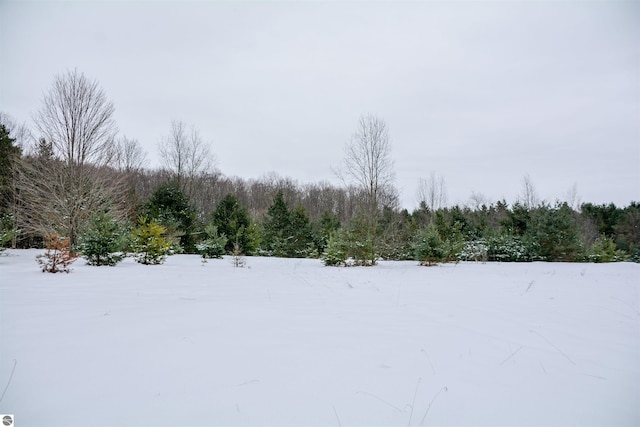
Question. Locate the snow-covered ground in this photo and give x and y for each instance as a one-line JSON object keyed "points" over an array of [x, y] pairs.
{"points": [[289, 342]]}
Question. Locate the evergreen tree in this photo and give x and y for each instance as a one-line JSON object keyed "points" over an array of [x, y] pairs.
{"points": [[170, 207], [555, 231], [396, 229], [323, 229], [518, 220], [359, 242], [300, 244], [604, 250], [627, 231], [288, 233], [213, 246], [335, 253], [104, 240], [605, 217], [429, 248], [449, 229], [277, 227], [232, 220], [149, 243], [58, 255], [7, 231], [9, 154], [506, 247]]}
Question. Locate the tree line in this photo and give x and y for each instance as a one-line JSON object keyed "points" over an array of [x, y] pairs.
{"points": [[78, 181]]}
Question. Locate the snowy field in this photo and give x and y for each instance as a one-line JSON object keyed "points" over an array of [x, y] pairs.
{"points": [[289, 342]]}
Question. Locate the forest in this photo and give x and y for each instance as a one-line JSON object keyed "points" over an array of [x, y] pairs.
{"points": [[71, 185]]}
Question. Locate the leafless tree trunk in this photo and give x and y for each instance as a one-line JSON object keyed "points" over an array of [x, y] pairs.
{"points": [[433, 192], [186, 156], [369, 166], [60, 194]]}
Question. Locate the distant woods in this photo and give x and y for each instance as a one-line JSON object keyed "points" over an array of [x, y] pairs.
{"points": [[71, 175]]}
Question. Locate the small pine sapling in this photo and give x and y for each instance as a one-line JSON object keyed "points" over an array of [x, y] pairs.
{"points": [[237, 259], [5, 237], [335, 253], [429, 249], [104, 241], [213, 245], [58, 256], [148, 242], [604, 250], [7, 231]]}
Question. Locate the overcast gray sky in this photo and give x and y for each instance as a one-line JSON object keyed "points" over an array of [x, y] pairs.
{"points": [[480, 93]]}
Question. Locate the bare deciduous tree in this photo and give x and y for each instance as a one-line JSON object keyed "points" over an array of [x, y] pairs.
{"points": [[529, 197], [432, 192], [19, 132], [572, 198], [186, 156], [129, 155], [77, 119], [53, 200], [61, 193], [477, 201], [368, 165]]}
